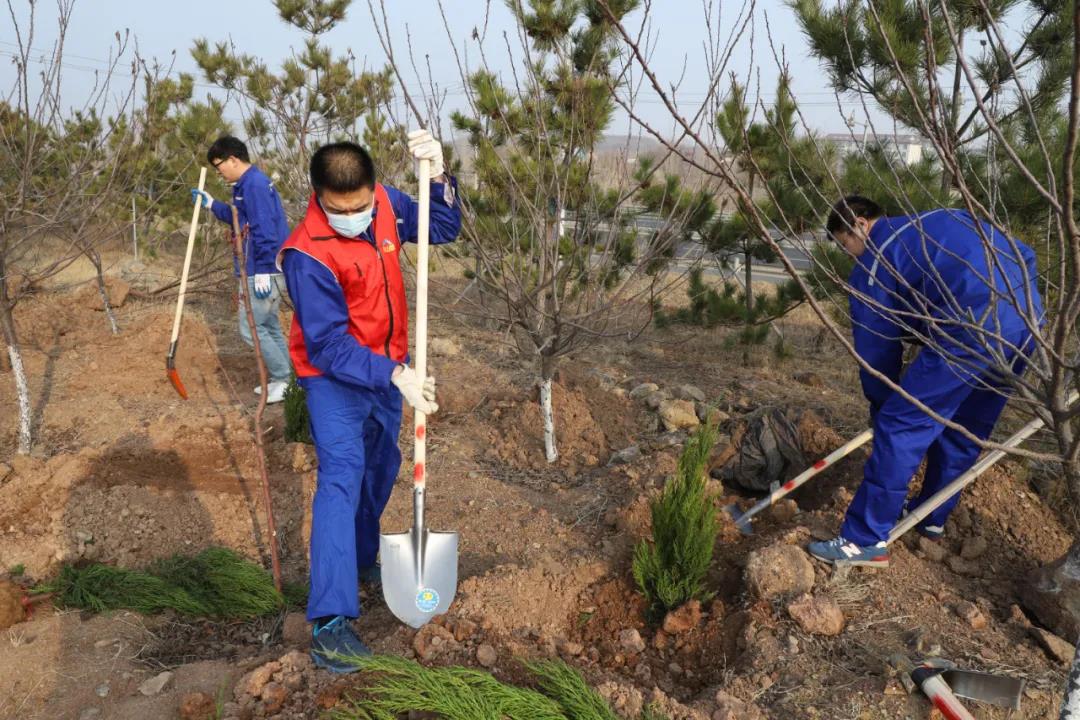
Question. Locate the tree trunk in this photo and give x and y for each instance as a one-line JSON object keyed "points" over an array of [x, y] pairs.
{"points": [[22, 388], [749, 280], [547, 372], [95, 258]]}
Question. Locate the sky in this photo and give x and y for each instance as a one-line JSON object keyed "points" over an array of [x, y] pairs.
{"points": [[678, 30]]}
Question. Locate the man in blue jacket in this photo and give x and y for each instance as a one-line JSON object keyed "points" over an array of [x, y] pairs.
{"points": [[965, 292], [350, 346], [260, 211]]}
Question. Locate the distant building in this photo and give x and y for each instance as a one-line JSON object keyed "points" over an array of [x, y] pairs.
{"points": [[904, 148]]}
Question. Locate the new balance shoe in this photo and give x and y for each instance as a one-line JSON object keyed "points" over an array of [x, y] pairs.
{"points": [[333, 643], [930, 532], [839, 550]]}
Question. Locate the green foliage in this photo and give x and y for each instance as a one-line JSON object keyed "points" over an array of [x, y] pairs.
{"points": [[17, 570], [670, 570], [215, 583], [395, 686], [899, 188], [297, 417], [727, 306]]}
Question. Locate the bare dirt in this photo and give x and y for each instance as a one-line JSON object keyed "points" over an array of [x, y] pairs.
{"points": [[124, 471]]}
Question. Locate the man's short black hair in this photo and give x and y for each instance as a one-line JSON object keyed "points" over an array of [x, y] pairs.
{"points": [[226, 147], [846, 209], [342, 167]]}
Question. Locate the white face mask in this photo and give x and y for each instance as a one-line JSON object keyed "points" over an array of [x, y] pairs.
{"points": [[350, 226]]}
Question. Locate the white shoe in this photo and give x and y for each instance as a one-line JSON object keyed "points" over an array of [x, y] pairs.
{"points": [[275, 391]]}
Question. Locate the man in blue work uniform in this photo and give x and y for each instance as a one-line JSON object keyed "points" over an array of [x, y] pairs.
{"points": [[967, 293], [259, 209], [349, 343]]}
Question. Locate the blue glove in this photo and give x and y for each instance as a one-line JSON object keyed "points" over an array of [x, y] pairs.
{"points": [[262, 286], [207, 198]]}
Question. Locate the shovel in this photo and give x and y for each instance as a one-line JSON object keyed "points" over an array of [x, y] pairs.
{"points": [[419, 567], [943, 683], [170, 359], [778, 491]]}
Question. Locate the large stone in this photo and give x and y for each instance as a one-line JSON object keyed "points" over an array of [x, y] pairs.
{"points": [[154, 686], [1055, 648], [817, 615], [1052, 594], [253, 683], [678, 415], [486, 655], [446, 347], [931, 549], [626, 456], [689, 392], [654, 400], [630, 641], [779, 571]]}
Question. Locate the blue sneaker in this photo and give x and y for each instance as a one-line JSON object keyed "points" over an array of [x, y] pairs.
{"points": [[333, 642], [841, 551], [930, 532]]}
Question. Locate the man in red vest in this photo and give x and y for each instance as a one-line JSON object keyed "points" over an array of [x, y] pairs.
{"points": [[349, 344]]}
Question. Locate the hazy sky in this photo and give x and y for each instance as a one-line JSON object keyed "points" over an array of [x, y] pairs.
{"points": [[678, 30]]}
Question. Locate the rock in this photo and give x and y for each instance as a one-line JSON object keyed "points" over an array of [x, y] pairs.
{"points": [[1055, 648], [431, 641], [678, 415], [90, 713], [447, 347], [729, 707], [1016, 615], [784, 511], [970, 613], [102, 690], [274, 696], [654, 399], [156, 684], [626, 700], [198, 706], [486, 655], [464, 629], [626, 456], [779, 571], [295, 631], [973, 548], [642, 390], [570, 647], [1052, 594], [689, 392], [932, 550], [253, 683], [630, 641], [683, 619], [960, 566], [707, 414], [810, 379], [817, 615]]}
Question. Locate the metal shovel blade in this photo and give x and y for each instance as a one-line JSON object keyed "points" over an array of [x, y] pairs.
{"points": [[999, 690], [742, 523], [419, 574]]}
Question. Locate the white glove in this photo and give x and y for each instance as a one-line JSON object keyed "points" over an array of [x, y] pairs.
{"points": [[202, 196], [419, 394], [423, 146], [262, 286]]}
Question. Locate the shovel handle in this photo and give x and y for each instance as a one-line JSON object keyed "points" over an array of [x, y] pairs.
{"points": [[941, 496], [422, 233], [187, 262]]}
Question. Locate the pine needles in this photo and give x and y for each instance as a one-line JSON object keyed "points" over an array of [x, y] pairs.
{"points": [[460, 693], [671, 570], [215, 583], [297, 419]]}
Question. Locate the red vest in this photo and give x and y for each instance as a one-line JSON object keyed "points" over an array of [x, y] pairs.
{"points": [[370, 278]]}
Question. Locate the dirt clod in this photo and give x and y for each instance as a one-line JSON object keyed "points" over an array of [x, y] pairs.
{"points": [[1056, 649], [973, 548], [729, 707], [971, 614], [486, 655], [11, 608], [683, 619], [197, 706], [630, 641]]}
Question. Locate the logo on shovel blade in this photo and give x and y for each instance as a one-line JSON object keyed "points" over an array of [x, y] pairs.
{"points": [[427, 600]]}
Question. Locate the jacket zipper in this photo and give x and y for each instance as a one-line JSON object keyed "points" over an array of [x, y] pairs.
{"points": [[386, 292]]}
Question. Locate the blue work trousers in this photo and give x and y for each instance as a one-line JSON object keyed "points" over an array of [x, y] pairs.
{"points": [[356, 440]]}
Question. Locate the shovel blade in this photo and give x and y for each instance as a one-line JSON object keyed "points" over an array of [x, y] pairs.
{"points": [[742, 523], [419, 574], [999, 690]]}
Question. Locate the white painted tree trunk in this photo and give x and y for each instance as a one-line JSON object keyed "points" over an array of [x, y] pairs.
{"points": [[550, 450], [108, 308], [22, 389]]}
